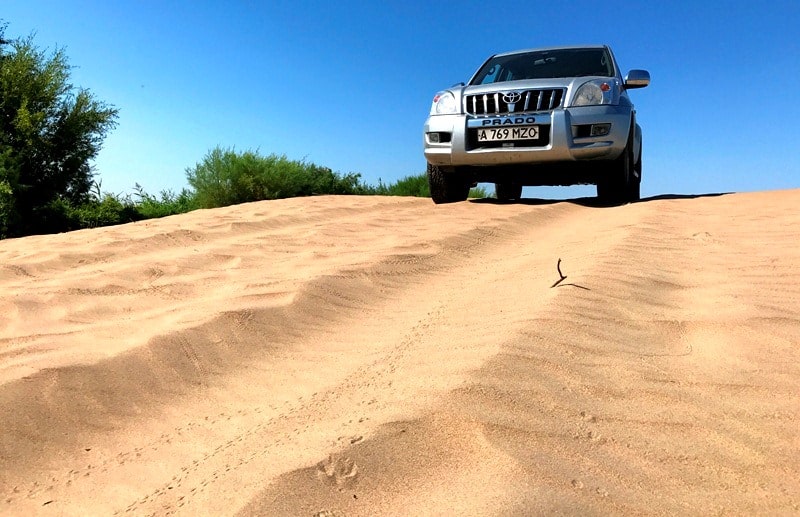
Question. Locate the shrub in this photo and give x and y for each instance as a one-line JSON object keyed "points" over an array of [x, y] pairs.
{"points": [[478, 192], [150, 207], [107, 211], [225, 177], [416, 186], [7, 211]]}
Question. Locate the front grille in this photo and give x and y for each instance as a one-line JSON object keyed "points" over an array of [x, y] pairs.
{"points": [[529, 100]]}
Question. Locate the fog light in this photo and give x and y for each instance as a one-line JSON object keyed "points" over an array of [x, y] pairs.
{"points": [[441, 137], [600, 129]]}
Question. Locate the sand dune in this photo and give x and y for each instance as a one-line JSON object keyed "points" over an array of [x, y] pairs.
{"points": [[341, 356]]}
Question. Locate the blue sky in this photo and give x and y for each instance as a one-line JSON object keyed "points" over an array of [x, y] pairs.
{"points": [[348, 84]]}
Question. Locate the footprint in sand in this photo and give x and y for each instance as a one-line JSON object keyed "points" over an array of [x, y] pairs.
{"points": [[338, 470]]}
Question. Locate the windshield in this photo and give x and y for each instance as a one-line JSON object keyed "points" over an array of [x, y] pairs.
{"points": [[546, 64]]}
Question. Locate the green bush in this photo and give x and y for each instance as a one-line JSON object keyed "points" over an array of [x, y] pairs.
{"points": [[225, 177], [107, 211], [416, 186], [56, 216], [478, 192], [7, 211], [150, 207]]}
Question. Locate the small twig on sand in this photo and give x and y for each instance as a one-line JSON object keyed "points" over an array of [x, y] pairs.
{"points": [[563, 277]]}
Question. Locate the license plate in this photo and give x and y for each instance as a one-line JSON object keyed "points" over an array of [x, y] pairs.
{"points": [[495, 134]]}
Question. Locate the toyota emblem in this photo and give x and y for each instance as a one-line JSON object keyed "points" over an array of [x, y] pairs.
{"points": [[511, 97]]}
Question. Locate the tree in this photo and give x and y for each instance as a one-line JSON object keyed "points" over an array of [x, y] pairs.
{"points": [[49, 132]]}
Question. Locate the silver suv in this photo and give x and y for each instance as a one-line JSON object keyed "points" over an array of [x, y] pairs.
{"points": [[551, 116]]}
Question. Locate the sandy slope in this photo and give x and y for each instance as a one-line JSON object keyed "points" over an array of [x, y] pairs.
{"points": [[385, 356]]}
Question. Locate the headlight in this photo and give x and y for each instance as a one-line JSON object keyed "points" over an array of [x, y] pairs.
{"points": [[444, 103], [594, 93]]}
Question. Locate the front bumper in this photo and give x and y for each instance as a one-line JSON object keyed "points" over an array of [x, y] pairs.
{"points": [[565, 138]]}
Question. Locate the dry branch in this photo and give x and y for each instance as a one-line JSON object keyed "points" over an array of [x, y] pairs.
{"points": [[563, 277]]}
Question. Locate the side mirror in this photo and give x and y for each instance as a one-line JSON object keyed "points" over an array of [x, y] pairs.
{"points": [[457, 84], [637, 79]]}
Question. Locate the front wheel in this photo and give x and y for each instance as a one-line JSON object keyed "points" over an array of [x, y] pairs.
{"points": [[618, 185], [635, 187], [446, 187]]}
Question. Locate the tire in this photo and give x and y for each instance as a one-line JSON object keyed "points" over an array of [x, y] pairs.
{"points": [[634, 191], [618, 185], [507, 191], [446, 187]]}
